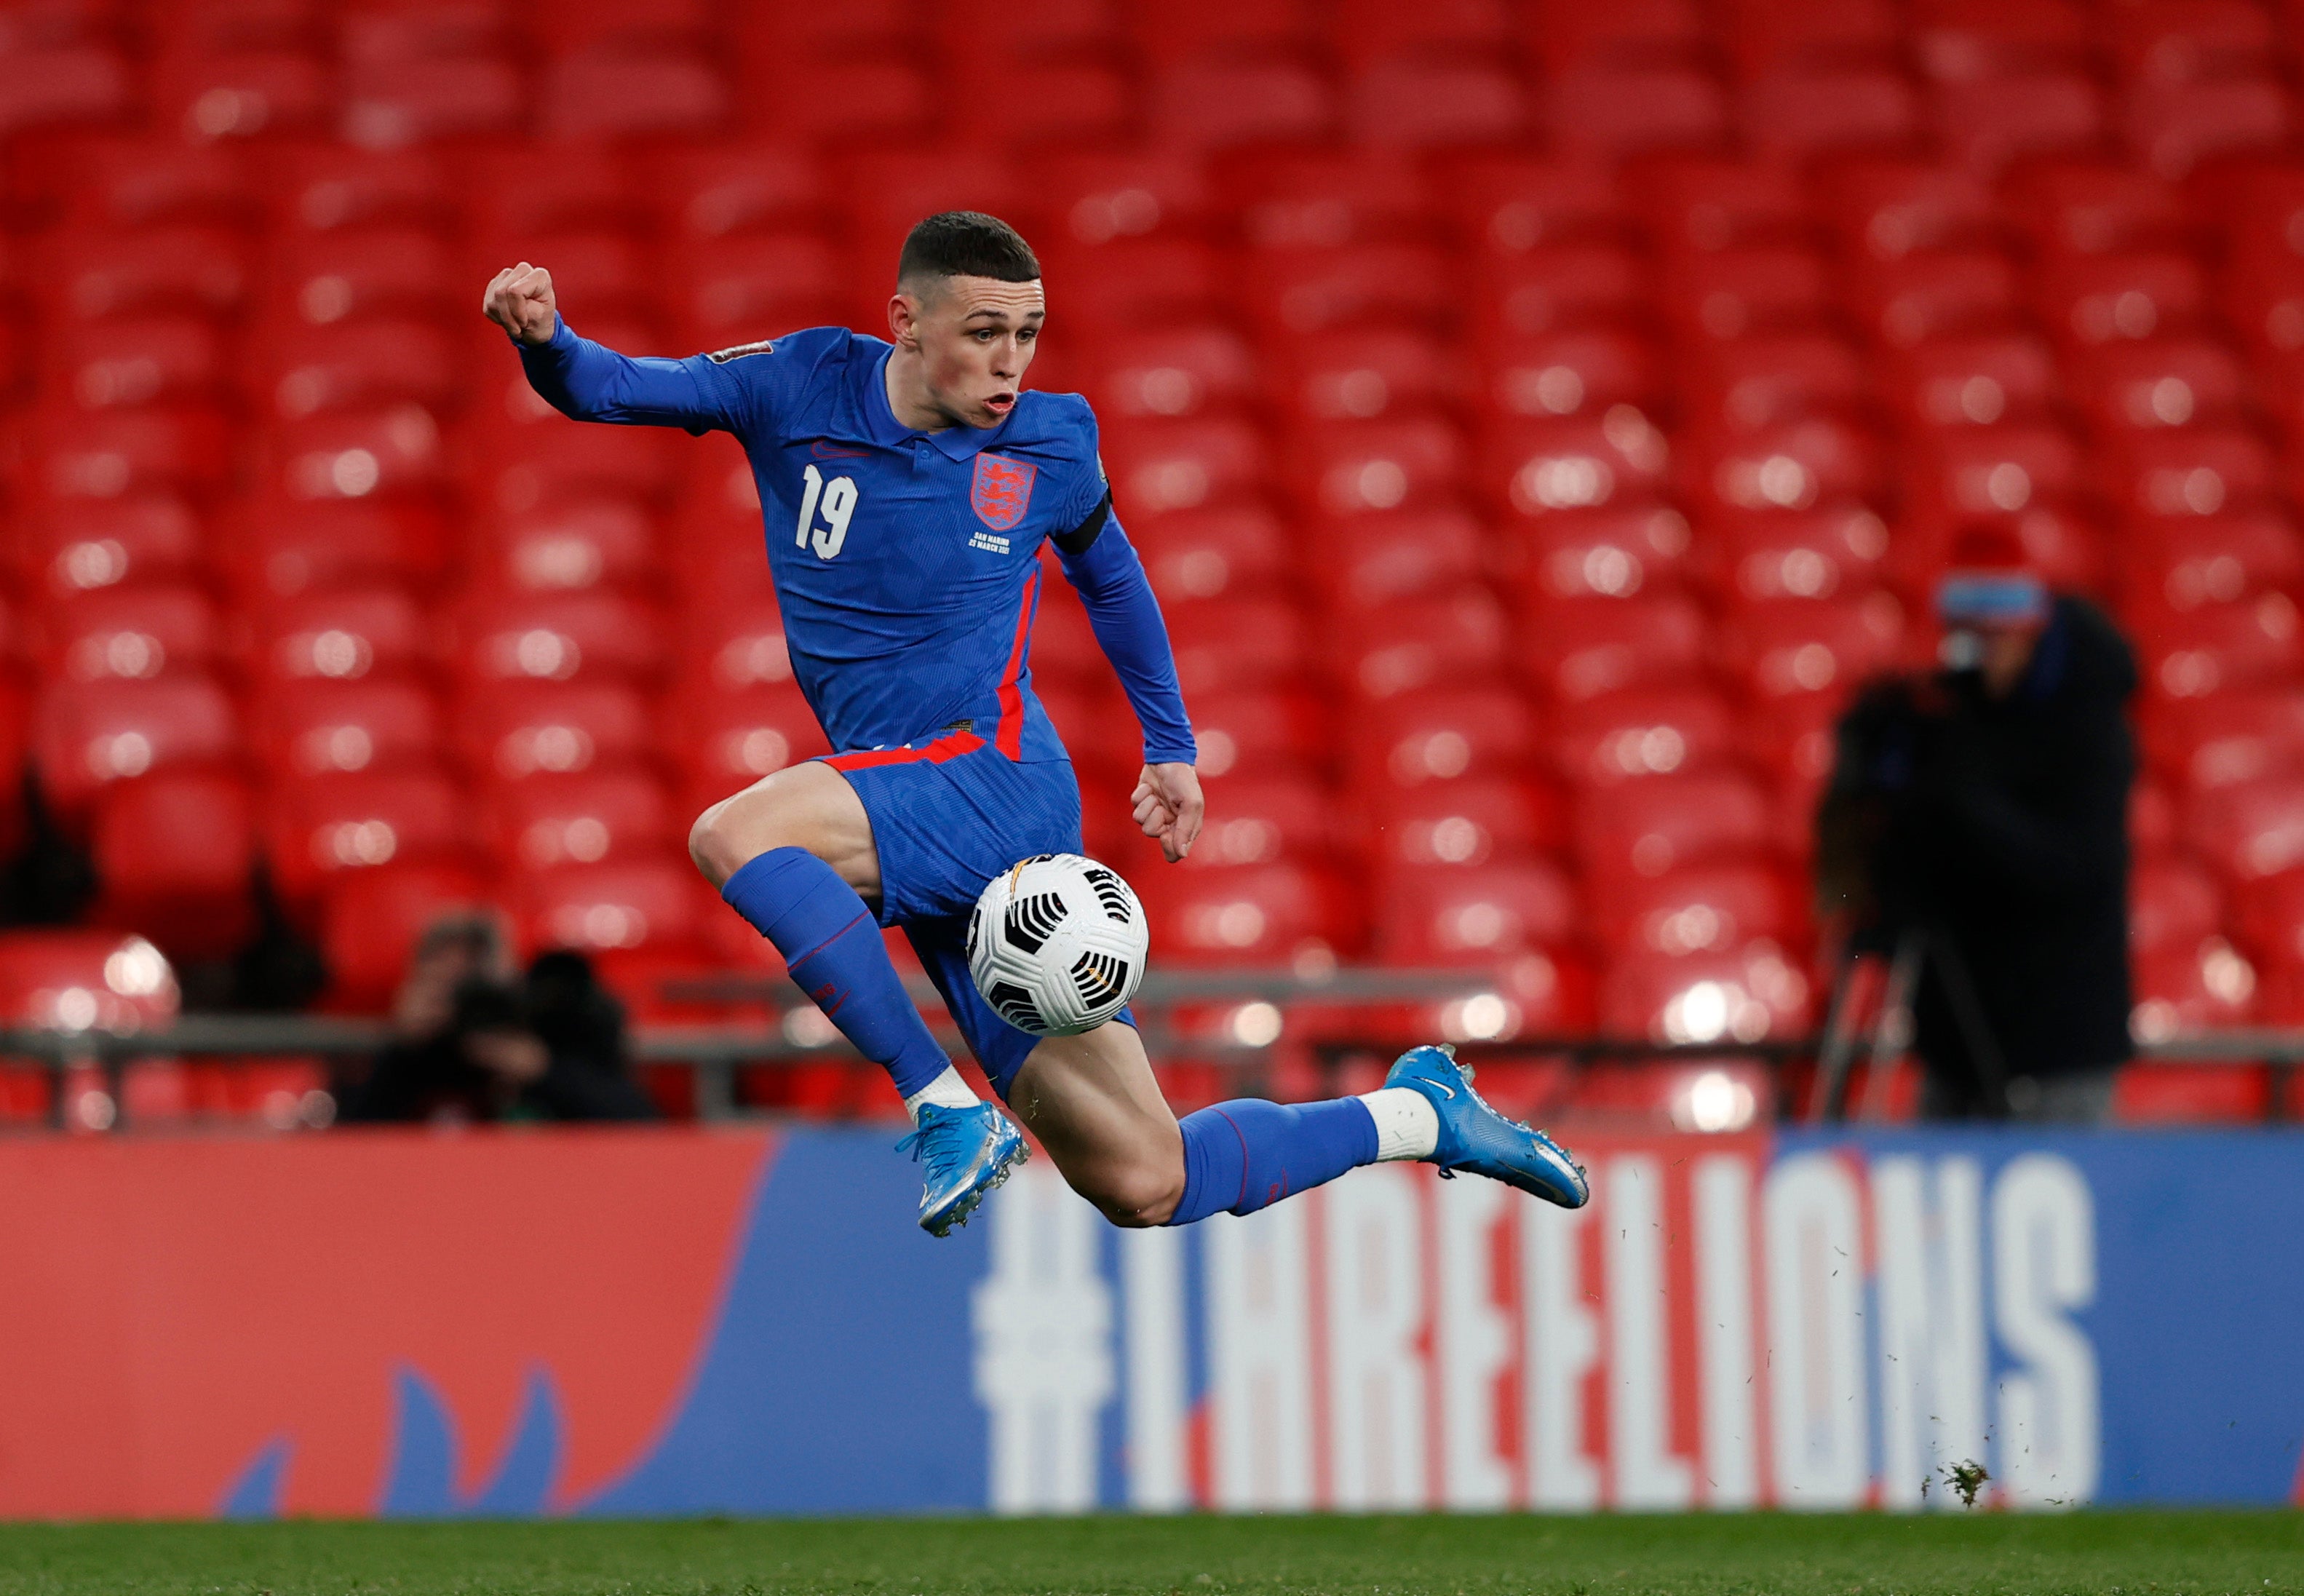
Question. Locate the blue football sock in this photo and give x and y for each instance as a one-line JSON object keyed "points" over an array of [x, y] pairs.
{"points": [[1241, 1155], [832, 945]]}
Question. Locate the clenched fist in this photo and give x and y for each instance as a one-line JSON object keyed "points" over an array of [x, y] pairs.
{"points": [[519, 300], [1169, 806]]}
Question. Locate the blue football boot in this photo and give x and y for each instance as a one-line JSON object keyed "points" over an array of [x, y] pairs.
{"points": [[1474, 1137], [967, 1152]]}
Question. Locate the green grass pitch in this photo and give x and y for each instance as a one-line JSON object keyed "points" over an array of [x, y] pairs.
{"points": [[2135, 1554]]}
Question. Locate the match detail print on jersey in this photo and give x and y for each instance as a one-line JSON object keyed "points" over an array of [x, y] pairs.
{"points": [[838, 501], [1001, 491]]}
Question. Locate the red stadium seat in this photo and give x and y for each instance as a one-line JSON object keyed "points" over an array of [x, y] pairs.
{"points": [[725, 190], [1986, 122], [1114, 286], [1799, 113], [1702, 203], [2173, 903], [1731, 293], [1415, 104], [348, 273], [1255, 915], [1748, 995], [1371, 560], [1964, 39], [737, 290], [733, 646], [1775, 554], [1565, 35], [316, 725], [606, 543], [318, 829], [1788, 650], [1213, 102], [340, 635], [725, 741], [1987, 471], [1598, 554], [1456, 639], [1749, 385], [242, 93], [2170, 382], [1184, 29], [372, 918], [1177, 371], [423, 98], [174, 852], [655, 903], [2192, 471], [2250, 830], [2181, 562], [1258, 822], [110, 454], [271, 551], [154, 361], [2188, 654], [543, 460], [303, 371], [2094, 207], [1577, 648], [85, 980], [1618, 111], [608, 93], [1448, 915], [596, 635], [1641, 731], [2100, 299], [87, 735], [1700, 909], [1792, 465], [357, 454], [2173, 127], [1439, 737], [1467, 821], [1367, 30], [1761, 34], [1541, 288], [1359, 468], [1576, 371], [1357, 375], [126, 633], [2177, 41], [2271, 915], [1512, 203], [2184, 991], [1236, 642], [2180, 1093], [321, 186], [1979, 380], [1161, 466], [1887, 210], [1257, 734], [79, 546], [1540, 468], [516, 729], [1093, 197], [550, 820], [1313, 289], [63, 84], [1649, 829], [2226, 738], [981, 31], [1208, 553], [1914, 298]]}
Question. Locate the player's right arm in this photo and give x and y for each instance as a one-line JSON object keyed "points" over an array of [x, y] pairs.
{"points": [[592, 383]]}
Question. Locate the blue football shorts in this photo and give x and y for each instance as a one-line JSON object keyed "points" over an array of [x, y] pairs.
{"points": [[948, 815]]}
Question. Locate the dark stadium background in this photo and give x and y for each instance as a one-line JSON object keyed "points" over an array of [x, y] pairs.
{"points": [[1536, 418]]}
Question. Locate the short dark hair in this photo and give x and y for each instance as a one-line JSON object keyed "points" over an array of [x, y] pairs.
{"points": [[966, 243]]}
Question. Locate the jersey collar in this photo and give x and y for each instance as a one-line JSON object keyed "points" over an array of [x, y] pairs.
{"points": [[955, 443]]}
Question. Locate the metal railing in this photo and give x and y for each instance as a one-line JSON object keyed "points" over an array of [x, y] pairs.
{"points": [[1165, 1007]]}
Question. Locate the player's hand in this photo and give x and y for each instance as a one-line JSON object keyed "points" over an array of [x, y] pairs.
{"points": [[519, 300], [1169, 806]]}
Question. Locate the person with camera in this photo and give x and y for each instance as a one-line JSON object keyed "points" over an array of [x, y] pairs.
{"points": [[1976, 824], [474, 1043]]}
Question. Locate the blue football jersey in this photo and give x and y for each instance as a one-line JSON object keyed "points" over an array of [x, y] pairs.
{"points": [[906, 563]]}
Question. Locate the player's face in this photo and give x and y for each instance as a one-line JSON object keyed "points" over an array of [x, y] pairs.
{"points": [[975, 337]]}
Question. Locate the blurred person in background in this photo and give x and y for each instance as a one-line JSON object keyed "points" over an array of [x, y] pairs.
{"points": [[475, 1043], [1977, 819]]}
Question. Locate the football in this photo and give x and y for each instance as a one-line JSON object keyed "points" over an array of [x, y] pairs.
{"points": [[1057, 944]]}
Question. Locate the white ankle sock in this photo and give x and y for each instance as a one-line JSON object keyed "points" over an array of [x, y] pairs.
{"points": [[1407, 1126], [948, 1090]]}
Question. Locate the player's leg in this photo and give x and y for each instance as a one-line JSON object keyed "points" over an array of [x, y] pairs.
{"points": [[794, 854]]}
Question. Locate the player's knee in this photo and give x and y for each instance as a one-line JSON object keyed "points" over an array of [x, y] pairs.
{"points": [[713, 846], [1136, 1194]]}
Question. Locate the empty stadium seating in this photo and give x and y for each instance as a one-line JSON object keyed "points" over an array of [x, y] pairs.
{"points": [[1537, 419]]}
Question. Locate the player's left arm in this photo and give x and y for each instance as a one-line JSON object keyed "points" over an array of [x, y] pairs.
{"points": [[1102, 566]]}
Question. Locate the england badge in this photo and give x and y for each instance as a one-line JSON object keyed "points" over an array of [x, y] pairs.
{"points": [[1001, 491]]}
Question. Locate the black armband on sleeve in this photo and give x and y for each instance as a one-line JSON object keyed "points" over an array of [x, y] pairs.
{"points": [[1075, 543]]}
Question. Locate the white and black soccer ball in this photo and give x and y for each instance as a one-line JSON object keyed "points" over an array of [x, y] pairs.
{"points": [[1057, 944]]}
